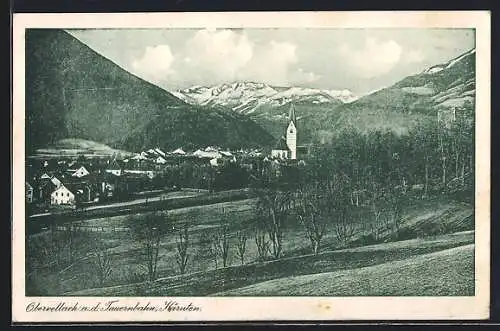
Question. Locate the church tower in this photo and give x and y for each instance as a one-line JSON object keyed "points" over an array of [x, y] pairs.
{"points": [[291, 134]]}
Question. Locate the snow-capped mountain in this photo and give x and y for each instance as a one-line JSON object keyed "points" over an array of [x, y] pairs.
{"points": [[437, 68], [441, 91], [250, 97]]}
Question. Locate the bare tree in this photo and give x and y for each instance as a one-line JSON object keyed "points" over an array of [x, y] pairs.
{"points": [[311, 217], [215, 249], [149, 231], [207, 249], [241, 245], [343, 226], [182, 248], [102, 263], [222, 243], [273, 208], [262, 245], [395, 201]]}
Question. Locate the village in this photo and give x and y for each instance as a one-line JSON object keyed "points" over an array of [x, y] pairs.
{"points": [[65, 183]]}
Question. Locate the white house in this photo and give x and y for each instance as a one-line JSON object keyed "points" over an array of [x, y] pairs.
{"points": [[114, 168], [80, 172], [214, 162], [45, 176], [204, 154], [179, 151], [29, 192], [281, 150], [62, 196], [160, 160]]}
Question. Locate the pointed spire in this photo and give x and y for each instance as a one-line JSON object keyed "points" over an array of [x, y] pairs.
{"points": [[292, 114]]}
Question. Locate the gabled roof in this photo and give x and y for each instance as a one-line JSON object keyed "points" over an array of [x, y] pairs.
{"points": [[179, 151], [115, 165], [74, 188], [281, 144], [47, 183]]}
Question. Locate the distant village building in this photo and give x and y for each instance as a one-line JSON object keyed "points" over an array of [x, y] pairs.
{"points": [[78, 172], [56, 181], [70, 193], [160, 160], [62, 196], [45, 189], [114, 168], [179, 151], [286, 147], [281, 150], [29, 192]]}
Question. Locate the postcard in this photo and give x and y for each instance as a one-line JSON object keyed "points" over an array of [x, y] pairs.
{"points": [[251, 166]]}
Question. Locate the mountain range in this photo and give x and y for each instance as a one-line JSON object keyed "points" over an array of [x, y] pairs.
{"points": [[255, 98], [74, 92], [416, 98]]}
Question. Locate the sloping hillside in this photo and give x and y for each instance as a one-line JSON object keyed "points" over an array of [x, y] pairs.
{"points": [[269, 105], [73, 92], [445, 273], [434, 92]]}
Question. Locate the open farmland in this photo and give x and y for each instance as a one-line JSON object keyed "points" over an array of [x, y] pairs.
{"points": [[444, 273], [429, 233]]}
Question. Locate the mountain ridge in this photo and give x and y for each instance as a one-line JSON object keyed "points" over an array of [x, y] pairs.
{"points": [[249, 97], [74, 92], [425, 96]]}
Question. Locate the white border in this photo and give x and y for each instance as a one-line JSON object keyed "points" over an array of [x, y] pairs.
{"points": [[269, 308]]}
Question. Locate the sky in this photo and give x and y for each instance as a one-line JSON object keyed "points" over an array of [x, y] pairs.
{"points": [[360, 60]]}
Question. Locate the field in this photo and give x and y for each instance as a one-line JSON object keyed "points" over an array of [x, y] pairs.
{"points": [[428, 227], [71, 147], [422, 275]]}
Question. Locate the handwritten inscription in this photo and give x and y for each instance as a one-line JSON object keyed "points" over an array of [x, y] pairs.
{"points": [[113, 306]]}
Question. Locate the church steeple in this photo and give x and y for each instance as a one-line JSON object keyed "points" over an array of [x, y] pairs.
{"points": [[291, 115], [291, 134]]}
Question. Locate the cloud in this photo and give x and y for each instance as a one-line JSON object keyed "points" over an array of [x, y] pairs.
{"points": [[414, 56], [222, 52], [213, 56], [271, 63], [155, 64], [373, 59]]}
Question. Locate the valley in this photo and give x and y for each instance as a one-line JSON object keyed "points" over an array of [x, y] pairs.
{"points": [[245, 188]]}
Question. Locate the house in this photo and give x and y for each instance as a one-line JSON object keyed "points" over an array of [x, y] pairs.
{"points": [[148, 173], [45, 176], [62, 196], [114, 168], [159, 151], [71, 193], [160, 160], [210, 149], [207, 154], [179, 151], [281, 150], [44, 190], [56, 181], [78, 172], [214, 162], [29, 192]]}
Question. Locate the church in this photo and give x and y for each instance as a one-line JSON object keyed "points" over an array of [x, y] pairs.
{"points": [[286, 147]]}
